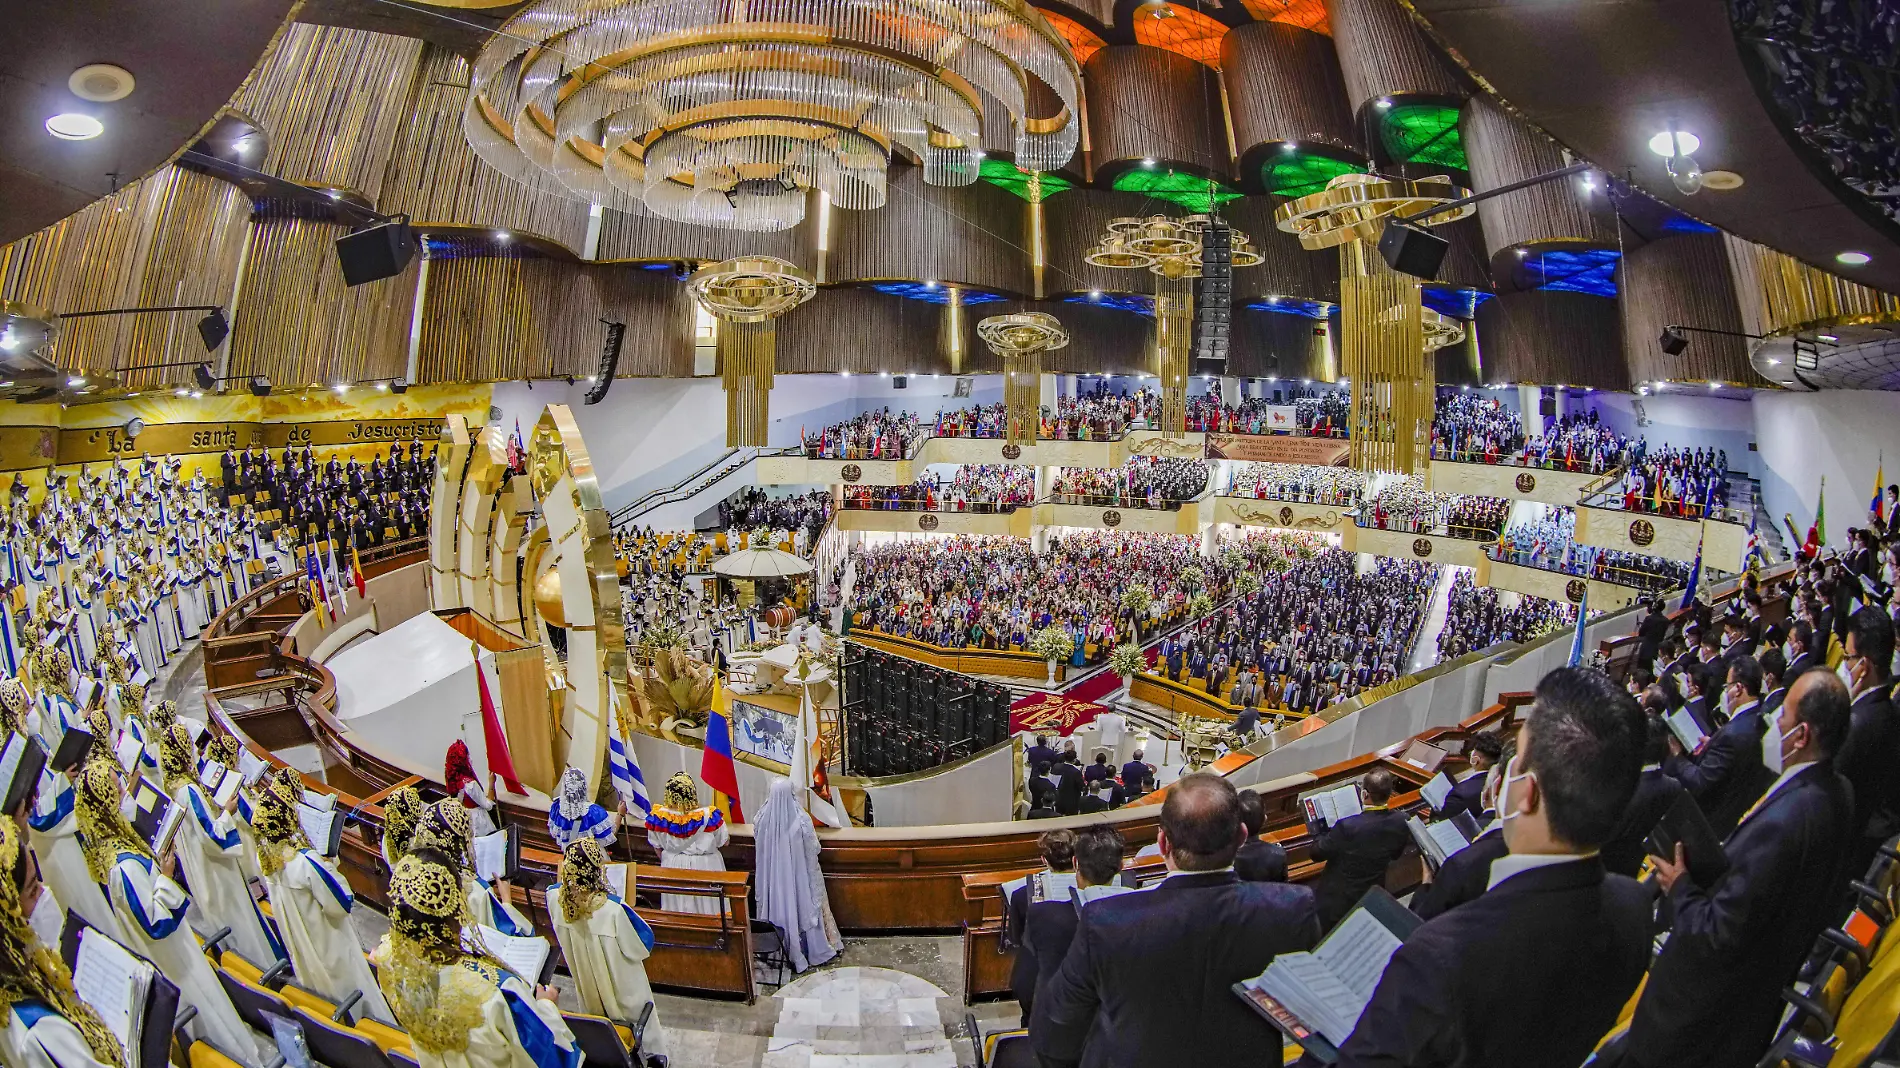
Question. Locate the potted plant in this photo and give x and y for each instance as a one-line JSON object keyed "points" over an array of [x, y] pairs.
{"points": [[1199, 605], [1054, 645], [1127, 661]]}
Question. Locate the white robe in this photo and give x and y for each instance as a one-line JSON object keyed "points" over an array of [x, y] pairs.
{"points": [[37, 1037], [311, 903], [151, 911], [698, 851], [247, 855], [213, 857], [606, 954], [517, 1030], [53, 832], [486, 907]]}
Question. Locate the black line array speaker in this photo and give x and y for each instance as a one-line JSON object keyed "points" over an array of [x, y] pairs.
{"points": [[1214, 294], [376, 252], [1412, 250], [609, 361]]}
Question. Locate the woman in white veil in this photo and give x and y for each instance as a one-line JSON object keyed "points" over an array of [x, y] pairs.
{"points": [[791, 889]]}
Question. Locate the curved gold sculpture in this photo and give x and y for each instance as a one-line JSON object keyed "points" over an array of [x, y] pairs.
{"points": [[1355, 207]]}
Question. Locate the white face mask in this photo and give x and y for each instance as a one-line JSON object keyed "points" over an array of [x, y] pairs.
{"points": [[1771, 743], [1847, 676], [1506, 810], [1788, 653], [1728, 705]]}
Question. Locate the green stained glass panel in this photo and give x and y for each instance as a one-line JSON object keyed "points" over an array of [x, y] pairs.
{"points": [[1295, 174], [1424, 133], [1001, 172], [1191, 192]]}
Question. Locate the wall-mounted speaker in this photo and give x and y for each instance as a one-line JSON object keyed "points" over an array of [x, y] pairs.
{"points": [[376, 252], [609, 360], [900, 381], [1412, 250]]}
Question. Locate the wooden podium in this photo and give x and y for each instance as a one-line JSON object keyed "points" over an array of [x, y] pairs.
{"points": [[522, 697]]}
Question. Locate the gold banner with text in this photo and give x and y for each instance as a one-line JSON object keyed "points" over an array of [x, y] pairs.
{"points": [[1279, 449], [352, 432], [89, 445]]}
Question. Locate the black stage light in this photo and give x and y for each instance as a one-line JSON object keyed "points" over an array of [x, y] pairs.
{"points": [[203, 376], [213, 329], [1673, 341], [376, 252]]}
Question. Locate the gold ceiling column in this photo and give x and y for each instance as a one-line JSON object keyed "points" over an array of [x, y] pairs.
{"points": [[1021, 339], [746, 295], [1174, 341]]}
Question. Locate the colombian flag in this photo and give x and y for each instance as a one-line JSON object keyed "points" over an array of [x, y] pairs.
{"points": [[716, 767], [1879, 507]]}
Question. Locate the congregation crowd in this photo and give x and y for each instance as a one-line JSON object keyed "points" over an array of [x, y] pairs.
{"points": [[1140, 482], [1315, 413], [1304, 483], [878, 435], [355, 504], [970, 488], [753, 507], [1407, 505], [1476, 618], [1547, 540]]}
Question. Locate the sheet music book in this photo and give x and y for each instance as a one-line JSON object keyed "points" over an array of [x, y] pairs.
{"points": [[498, 855], [1685, 823], [1439, 841], [320, 801], [1325, 991], [1436, 791], [1686, 729], [211, 775], [525, 955], [166, 837], [324, 829], [1325, 808], [71, 751], [150, 806], [251, 766], [82, 695], [227, 789], [114, 982], [47, 920], [129, 752], [616, 875], [21, 762]]}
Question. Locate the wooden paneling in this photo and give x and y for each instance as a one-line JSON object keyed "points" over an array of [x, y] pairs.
{"points": [[1684, 281], [1382, 51], [1467, 263], [1283, 84], [1274, 344], [331, 103], [1286, 269], [435, 177], [1101, 340], [1779, 293], [173, 238], [1150, 102], [641, 235], [1551, 338], [1074, 221], [485, 319], [297, 323], [1503, 149], [975, 235], [864, 332]]}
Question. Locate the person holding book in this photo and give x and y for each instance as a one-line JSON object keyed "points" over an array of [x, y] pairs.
{"points": [[1049, 925], [1467, 873], [1481, 754], [311, 903], [1358, 849], [52, 830], [1532, 972], [1655, 792], [444, 835], [1725, 775], [1713, 997], [401, 812], [1258, 861], [151, 908], [210, 851], [43, 1024], [1052, 883], [1147, 979], [604, 941], [461, 1007]]}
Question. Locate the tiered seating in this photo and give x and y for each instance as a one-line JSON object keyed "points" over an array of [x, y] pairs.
{"points": [[1844, 1008]]}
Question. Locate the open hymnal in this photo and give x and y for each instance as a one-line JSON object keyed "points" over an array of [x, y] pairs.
{"points": [[1436, 790], [1325, 991], [129, 750], [21, 762], [323, 827], [109, 978], [150, 807], [497, 855], [1442, 838], [320, 801], [74, 743], [617, 875], [1686, 729], [1325, 808], [525, 955], [251, 766]]}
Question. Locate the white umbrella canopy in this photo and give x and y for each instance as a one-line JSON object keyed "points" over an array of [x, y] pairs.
{"points": [[761, 564]]}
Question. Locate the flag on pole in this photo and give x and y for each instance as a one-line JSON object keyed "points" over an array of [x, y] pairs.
{"points": [[356, 574], [496, 739], [1576, 641], [808, 764], [1695, 574], [623, 769], [515, 448], [1879, 505], [318, 598], [1817, 531], [332, 575], [716, 767], [1752, 550]]}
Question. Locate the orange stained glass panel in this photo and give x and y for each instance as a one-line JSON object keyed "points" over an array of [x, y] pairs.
{"points": [[1082, 40], [1306, 14], [1181, 30]]}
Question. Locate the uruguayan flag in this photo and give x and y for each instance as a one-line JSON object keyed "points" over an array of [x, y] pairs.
{"points": [[624, 770]]}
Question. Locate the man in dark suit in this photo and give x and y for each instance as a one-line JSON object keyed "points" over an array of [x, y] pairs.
{"points": [[1058, 858], [1774, 681], [1099, 797], [1358, 849], [1466, 873], [1870, 758], [1714, 993], [1533, 971], [1049, 926], [1651, 632], [1799, 649], [1137, 776], [1147, 979], [1655, 792], [1246, 723], [1258, 861], [1481, 752], [1068, 776], [1041, 753], [1726, 775]]}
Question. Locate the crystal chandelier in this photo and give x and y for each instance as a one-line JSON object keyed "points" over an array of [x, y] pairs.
{"points": [[1172, 250], [747, 296], [1021, 339], [726, 112]]}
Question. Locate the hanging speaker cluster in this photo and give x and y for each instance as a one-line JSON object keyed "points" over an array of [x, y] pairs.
{"points": [[1214, 296], [609, 360]]}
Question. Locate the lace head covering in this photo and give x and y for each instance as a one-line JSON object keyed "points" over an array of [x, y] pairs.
{"points": [[436, 988], [443, 834], [572, 794], [682, 792], [14, 703], [224, 749], [102, 828], [583, 880], [177, 759], [30, 971], [274, 822], [164, 714], [402, 810]]}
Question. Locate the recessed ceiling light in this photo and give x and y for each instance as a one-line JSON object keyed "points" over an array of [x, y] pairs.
{"points": [[181, 393], [1095, 294], [76, 381], [1383, 103], [72, 126], [1715, 385], [196, 395], [1721, 181], [1772, 362], [341, 387], [1852, 259], [1289, 146], [101, 83], [1685, 141], [1826, 337], [930, 283], [501, 235], [1147, 161]]}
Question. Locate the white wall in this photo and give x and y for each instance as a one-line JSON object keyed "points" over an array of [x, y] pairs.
{"points": [[1699, 419], [1841, 434]]}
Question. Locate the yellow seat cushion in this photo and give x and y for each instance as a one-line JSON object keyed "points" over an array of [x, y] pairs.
{"points": [[386, 1037]]}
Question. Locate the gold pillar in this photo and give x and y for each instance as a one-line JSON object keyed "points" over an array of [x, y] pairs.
{"points": [[1174, 341], [1383, 349]]}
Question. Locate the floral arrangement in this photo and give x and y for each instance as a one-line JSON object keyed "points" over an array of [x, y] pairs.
{"points": [[1199, 605], [1127, 660], [1052, 643], [1137, 598], [1247, 583], [1192, 577]]}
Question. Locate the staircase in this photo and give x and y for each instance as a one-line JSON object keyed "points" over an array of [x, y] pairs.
{"points": [[1745, 497]]}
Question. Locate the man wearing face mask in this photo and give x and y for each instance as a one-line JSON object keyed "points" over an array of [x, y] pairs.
{"points": [[1774, 681], [1532, 972], [1797, 649], [1714, 994], [1870, 759], [1465, 873], [1726, 774]]}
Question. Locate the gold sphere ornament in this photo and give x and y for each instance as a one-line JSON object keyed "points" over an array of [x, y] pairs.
{"points": [[547, 598]]}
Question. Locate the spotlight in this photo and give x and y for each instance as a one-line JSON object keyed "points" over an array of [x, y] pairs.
{"points": [[76, 381], [1685, 143], [260, 386], [195, 395], [213, 329], [8, 341], [399, 385], [72, 126], [1289, 146], [181, 393], [1826, 337], [382, 387], [1852, 259], [930, 283], [1147, 161], [1383, 103], [1673, 341], [501, 235], [1095, 294], [203, 376], [341, 388]]}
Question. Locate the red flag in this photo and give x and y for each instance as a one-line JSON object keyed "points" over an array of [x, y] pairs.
{"points": [[495, 738], [356, 574]]}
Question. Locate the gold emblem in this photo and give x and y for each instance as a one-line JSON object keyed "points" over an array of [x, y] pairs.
{"points": [[851, 472], [1575, 590], [1421, 547], [1642, 532], [1286, 514], [1111, 518], [927, 521], [1012, 452], [1526, 482]]}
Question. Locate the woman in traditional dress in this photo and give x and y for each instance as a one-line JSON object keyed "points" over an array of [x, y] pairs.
{"points": [[43, 1024], [213, 855], [574, 815], [53, 830], [311, 903], [791, 889], [461, 1009], [687, 835], [604, 941], [442, 836], [151, 909], [401, 811], [459, 774]]}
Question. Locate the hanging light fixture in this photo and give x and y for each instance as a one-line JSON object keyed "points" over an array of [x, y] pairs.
{"points": [[726, 114], [747, 296], [1021, 339]]}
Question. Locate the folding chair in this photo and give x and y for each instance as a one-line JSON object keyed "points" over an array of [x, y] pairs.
{"points": [[1000, 1049], [768, 948]]}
